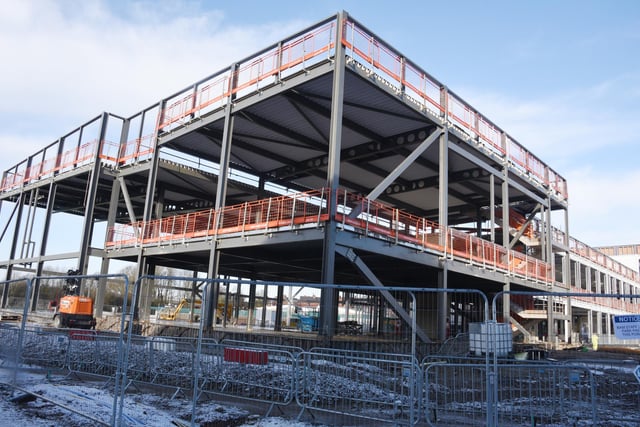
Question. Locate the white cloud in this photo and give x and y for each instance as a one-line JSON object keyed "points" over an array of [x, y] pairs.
{"points": [[16, 148], [65, 62], [577, 122], [603, 206]]}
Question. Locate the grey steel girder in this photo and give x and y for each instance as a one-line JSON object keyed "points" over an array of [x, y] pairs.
{"points": [[424, 145], [350, 255]]}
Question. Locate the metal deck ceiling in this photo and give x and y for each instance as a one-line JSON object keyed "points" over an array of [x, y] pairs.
{"points": [[283, 136]]}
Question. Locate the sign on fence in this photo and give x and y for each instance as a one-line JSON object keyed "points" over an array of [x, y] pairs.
{"points": [[627, 327]]}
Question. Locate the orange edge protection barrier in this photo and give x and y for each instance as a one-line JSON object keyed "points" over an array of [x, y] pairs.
{"points": [[167, 118], [311, 208], [373, 45], [74, 158]]}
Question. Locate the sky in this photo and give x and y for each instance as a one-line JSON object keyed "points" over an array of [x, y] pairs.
{"points": [[562, 78]]}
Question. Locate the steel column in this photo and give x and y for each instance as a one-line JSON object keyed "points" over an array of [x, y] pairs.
{"points": [[492, 206], [209, 312], [14, 241], [329, 297], [148, 202], [104, 265], [90, 199], [43, 243]]}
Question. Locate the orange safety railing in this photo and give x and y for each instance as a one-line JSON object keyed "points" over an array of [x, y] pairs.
{"points": [[389, 64], [261, 215], [250, 74], [68, 160], [517, 221], [109, 151], [12, 179], [376, 218], [602, 259], [138, 149], [372, 219], [598, 257], [621, 304], [362, 45]]}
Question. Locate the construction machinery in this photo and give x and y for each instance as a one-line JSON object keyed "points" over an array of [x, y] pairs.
{"points": [[73, 310], [171, 312]]}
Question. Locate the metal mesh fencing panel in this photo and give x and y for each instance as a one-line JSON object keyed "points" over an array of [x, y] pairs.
{"points": [[617, 391], [8, 350], [265, 374], [527, 394], [45, 349], [172, 362], [14, 296], [42, 353], [84, 355], [455, 393], [139, 360], [374, 386], [545, 394]]}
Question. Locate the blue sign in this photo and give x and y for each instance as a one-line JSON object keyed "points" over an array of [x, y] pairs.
{"points": [[627, 327], [636, 372]]}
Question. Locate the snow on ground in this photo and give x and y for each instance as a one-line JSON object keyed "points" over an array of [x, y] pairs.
{"points": [[68, 402]]}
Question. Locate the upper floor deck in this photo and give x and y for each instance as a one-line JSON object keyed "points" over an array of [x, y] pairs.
{"points": [[122, 141]]}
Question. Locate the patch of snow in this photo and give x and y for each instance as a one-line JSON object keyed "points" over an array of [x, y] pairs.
{"points": [[57, 398]]}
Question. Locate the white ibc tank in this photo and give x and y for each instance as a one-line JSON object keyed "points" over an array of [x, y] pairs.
{"points": [[489, 338]]}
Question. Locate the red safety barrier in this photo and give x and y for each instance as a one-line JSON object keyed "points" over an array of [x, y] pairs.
{"points": [[82, 335], [250, 357]]}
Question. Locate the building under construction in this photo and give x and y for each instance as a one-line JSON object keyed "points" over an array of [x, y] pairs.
{"points": [[329, 157]]}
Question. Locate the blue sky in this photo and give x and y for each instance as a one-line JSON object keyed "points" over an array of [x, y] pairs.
{"points": [[561, 77]]}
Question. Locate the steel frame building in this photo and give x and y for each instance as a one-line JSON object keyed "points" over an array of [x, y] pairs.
{"points": [[327, 157]]}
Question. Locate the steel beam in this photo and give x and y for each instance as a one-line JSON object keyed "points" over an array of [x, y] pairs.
{"points": [[523, 227], [408, 161], [127, 200], [474, 159], [351, 154], [13, 212], [350, 255]]}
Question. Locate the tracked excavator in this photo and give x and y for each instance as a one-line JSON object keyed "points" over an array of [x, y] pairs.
{"points": [[73, 310]]}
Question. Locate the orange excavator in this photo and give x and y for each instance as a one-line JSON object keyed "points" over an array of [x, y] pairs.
{"points": [[73, 310]]}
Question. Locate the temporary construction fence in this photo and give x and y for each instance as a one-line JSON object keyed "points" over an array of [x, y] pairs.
{"points": [[528, 393], [380, 387], [588, 390], [46, 351], [364, 387]]}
